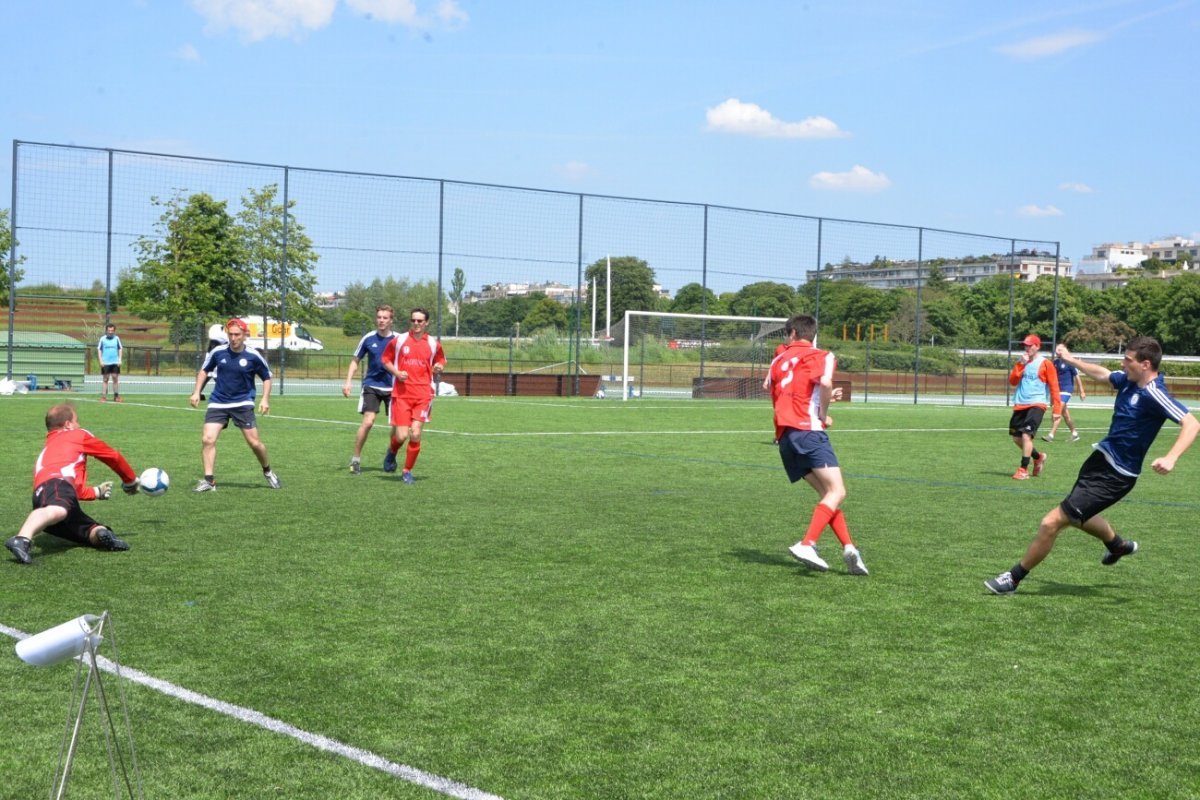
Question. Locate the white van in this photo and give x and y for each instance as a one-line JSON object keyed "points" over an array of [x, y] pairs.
{"points": [[267, 337]]}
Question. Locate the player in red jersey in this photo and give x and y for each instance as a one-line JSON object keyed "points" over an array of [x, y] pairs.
{"points": [[801, 383], [60, 483], [415, 359]]}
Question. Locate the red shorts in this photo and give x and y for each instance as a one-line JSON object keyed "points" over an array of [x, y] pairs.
{"points": [[406, 410]]}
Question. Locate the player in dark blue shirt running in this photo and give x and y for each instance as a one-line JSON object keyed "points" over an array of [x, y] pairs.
{"points": [[1143, 404], [235, 366], [377, 382]]}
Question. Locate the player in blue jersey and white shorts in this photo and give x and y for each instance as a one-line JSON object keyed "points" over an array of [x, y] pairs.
{"points": [[235, 367], [377, 382], [1143, 404]]}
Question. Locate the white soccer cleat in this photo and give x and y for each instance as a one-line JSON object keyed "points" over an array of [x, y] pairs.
{"points": [[854, 562], [806, 554]]}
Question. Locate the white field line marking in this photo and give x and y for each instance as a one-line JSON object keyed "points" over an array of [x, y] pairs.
{"points": [[437, 783]]}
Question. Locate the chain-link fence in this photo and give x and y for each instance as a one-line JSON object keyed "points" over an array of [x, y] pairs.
{"points": [[86, 221]]}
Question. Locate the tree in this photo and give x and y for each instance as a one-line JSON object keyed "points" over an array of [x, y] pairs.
{"points": [[260, 225], [1103, 333], [763, 299], [692, 298], [546, 312], [632, 286], [1177, 331], [457, 284], [193, 269], [6, 244]]}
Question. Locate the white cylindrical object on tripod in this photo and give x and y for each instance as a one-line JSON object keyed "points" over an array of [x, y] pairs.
{"points": [[59, 643]]}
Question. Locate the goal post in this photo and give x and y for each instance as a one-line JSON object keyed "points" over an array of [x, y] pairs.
{"points": [[696, 355]]}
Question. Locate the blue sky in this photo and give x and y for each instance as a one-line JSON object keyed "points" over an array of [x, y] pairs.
{"points": [[1067, 121]]}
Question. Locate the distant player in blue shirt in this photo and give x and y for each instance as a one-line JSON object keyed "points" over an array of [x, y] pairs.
{"points": [[109, 349], [1067, 376], [377, 382], [1143, 404], [235, 366]]}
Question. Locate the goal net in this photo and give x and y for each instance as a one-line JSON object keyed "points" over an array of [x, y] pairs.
{"points": [[695, 355]]}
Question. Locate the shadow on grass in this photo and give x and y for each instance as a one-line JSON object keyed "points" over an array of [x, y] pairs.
{"points": [[1097, 591], [749, 556]]}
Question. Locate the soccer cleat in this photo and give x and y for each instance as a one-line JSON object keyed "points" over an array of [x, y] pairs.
{"points": [[806, 554], [355, 467], [1021, 474], [118, 398], [1075, 437], [272, 479], [407, 477], [20, 549], [854, 562], [205, 486], [107, 540], [389, 462], [103, 398], [1038, 465], [1110, 558], [1049, 437], [1001, 584]]}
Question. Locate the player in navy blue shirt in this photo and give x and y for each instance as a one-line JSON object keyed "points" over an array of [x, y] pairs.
{"points": [[1143, 404], [235, 367], [377, 382], [1067, 376]]}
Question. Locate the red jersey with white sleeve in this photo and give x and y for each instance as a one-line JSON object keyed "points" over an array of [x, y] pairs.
{"points": [[65, 457], [416, 355], [795, 380]]}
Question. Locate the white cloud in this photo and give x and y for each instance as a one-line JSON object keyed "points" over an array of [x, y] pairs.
{"points": [[261, 19], [1052, 45], [574, 170], [858, 179], [749, 119], [1072, 186], [1038, 211], [188, 53]]}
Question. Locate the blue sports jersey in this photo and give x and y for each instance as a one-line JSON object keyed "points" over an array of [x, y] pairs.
{"points": [[233, 384], [1138, 416], [109, 348], [371, 347], [1066, 376]]}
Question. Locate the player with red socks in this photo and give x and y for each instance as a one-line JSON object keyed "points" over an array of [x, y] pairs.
{"points": [[801, 383], [414, 359]]}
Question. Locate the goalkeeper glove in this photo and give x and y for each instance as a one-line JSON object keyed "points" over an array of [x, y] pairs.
{"points": [[104, 490], [130, 488]]}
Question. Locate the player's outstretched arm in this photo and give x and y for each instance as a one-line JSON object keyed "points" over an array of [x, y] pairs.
{"points": [[1188, 428], [1094, 371]]}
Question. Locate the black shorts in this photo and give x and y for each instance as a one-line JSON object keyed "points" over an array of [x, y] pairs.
{"points": [[1027, 420], [372, 399], [242, 416], [77, 525], [1097, 487], [110, 369]]}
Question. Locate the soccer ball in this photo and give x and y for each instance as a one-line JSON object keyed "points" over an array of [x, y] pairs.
{"points": [[154, 482]]}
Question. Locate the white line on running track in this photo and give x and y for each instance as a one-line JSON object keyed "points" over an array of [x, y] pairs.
{"points": [[437, 783]]}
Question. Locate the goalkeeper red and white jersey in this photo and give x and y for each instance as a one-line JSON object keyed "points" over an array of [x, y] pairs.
{"points": [[65, 457], [795, 380]]}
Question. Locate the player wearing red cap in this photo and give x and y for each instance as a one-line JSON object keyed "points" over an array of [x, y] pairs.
{"points": [[234, 367], [1037, 386]]}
